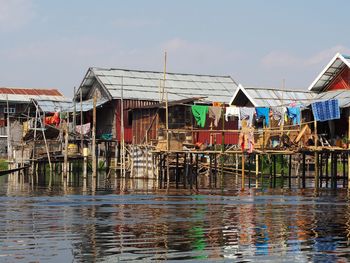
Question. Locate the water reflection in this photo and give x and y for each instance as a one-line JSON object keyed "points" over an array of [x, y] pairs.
{"points": [[111, 224]]}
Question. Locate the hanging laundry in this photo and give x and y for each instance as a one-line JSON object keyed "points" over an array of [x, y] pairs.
{"points": [[247, 114], [241, 140], [278, 114], [83, 129], [200, 114], [265, 113], [294, 114], [326, 110], [231, 111], [251, 141], [217, 104], [215, 113], [55, 119]]}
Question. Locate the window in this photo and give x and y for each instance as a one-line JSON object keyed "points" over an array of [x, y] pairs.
{"points": [[10, 110]]}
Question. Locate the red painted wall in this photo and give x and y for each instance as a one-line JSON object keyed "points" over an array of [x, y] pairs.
{"points": [[127, 105], [341, 81], [230, 138]]}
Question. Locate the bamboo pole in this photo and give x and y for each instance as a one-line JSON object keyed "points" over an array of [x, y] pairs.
{"points": [[256, 170], [74, 113], [81, 120], [94, 160], [348, 148], [9, 144], [65, 165], [122, 159], [316, 157], [243, 171], [166, 122]]}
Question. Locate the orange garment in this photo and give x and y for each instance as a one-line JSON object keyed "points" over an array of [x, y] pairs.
{"points": [[55, 119], [217, 104]]}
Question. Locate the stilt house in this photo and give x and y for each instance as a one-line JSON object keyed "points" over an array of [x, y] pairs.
{"points": [[143, 89]]}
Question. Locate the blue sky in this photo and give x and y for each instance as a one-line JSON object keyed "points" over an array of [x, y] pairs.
{"points": [[51, 44]]}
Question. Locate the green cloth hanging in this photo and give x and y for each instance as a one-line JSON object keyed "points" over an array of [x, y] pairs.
{"points": [[200, 114]]}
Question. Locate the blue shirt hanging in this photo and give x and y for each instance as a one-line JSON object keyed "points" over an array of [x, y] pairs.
{"points": [[263, 112], [294, 114]]}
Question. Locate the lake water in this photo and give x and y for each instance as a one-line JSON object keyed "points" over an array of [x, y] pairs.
{"points": [[55, 224]]}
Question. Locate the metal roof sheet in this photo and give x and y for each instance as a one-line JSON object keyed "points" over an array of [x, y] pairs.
{"points": [[67, 106], [144, 85], [337, 63], [343, 97], [26, 94], [273, 97]]}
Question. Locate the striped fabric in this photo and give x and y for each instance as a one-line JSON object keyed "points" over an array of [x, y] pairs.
{"points": [[326, 110]]}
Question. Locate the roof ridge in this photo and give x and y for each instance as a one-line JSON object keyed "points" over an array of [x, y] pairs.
{"points": [[160, 72]]}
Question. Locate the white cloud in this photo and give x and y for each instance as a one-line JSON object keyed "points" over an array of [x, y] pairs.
{"points": [[15, 14], [282, 59], [325, 55]]}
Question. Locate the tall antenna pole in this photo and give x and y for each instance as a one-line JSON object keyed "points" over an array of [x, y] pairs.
{"points": [[122, 129], [164, 76]]}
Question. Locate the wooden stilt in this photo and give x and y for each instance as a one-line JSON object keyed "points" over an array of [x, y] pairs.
{"points": [[210, 170], [290, 172], [249, 170], [321, 168], [185, 171], [327, 168], [243, 175], [274, 171], [93, 151], [177, 171], [271, 171], [256, 170], [344, 172], [304, 172], [282, 171], [191, 171], [335, 170]]}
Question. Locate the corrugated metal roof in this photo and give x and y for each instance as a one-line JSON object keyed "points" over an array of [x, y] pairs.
{"points": [[67, 106], [272, 97], [337, 63], [343, 97], [26, 94], [144, 85]]}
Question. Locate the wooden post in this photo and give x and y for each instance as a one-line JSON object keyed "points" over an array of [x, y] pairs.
{"points": [[304, 170], [210, 170], [81, 120], [282, 171], [274, 170], [94, 159], [290, 172], [316, 157], [243, 182], [9, 143], [249, 170], [335, 170], [348, 153], [65, 160], [177, 171], [256, 170], [327, 172], [344, 173], [222, 143], [320, 157], [185, 171], [262, 171]]}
